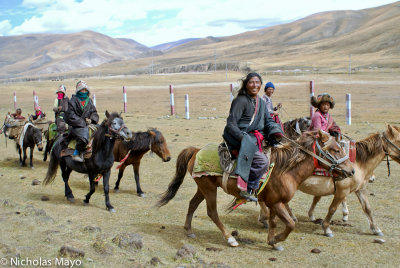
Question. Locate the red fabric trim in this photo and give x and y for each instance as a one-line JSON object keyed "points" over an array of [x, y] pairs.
{"points": [[316, 164], [259, 138]]}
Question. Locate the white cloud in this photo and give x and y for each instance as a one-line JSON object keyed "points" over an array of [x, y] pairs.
{"points": [[120, 18], [5, 27]]}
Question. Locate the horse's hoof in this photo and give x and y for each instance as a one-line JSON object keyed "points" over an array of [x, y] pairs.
{"points": [[141, 195], [32, 167], [277, 247], [85, 203], [232, 242], [266, 226], [312, 218], [71, 199], [191, 235], [116, 190], [379, 233], [112, 210], [329, 235], [345, 218], [294, 219]]}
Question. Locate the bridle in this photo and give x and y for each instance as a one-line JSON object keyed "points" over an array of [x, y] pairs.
{"points": [[331, 162], [393, 146]]}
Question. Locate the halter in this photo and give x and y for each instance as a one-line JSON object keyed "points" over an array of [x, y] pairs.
{"points": [[115, 131]]}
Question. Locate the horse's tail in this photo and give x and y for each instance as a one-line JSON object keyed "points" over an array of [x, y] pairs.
{"points": [[52, 169], [181, 168]]}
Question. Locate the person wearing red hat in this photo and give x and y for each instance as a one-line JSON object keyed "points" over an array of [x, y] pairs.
{"points": [[38, 114]]}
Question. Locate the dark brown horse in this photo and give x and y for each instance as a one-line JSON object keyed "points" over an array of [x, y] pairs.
{"points": [[29, 137], [142, 142], [100, 162], [295, 127], [292, 166]]}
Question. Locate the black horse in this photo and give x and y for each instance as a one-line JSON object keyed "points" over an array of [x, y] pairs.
{"points": [[99, 164], [32, 136], [136, 148]]}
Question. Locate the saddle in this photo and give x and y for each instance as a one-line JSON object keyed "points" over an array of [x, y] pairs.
{"points": [[70, 144]]}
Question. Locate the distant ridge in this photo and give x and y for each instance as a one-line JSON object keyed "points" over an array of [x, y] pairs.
{"points": [[166, 46]]}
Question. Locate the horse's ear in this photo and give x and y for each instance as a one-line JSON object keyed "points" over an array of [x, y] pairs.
{"points": [[107, 114], [323, 136], [152, 133]]}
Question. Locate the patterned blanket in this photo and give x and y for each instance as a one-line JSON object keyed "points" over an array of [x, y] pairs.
{"points": [[207, 162]]}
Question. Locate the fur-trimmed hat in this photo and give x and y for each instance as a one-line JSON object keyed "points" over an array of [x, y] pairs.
{"points": [[324, 97], [81, 85]]}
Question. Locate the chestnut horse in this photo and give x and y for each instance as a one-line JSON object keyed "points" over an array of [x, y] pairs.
{"points": [[369, 154], [293, 164], [142, 142]]}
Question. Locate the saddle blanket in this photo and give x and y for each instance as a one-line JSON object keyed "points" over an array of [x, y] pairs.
{"points": [[207, 162]]}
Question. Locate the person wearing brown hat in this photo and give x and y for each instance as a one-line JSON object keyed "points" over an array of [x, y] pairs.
{"points": [[321, 118]]}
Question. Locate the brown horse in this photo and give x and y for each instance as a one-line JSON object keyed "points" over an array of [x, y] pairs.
{"points": [[292, 166], [369, 154], [141, 143]]}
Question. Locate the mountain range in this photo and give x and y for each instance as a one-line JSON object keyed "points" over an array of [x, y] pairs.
{"points": [[371, 37]]}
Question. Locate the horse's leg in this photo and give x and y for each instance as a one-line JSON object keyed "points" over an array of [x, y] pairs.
{"points": [[283, 214], [289, 210], [137, 179], [106, 186], [65, 172], [91, 190], [362, 197], [20, 155], [209, 190], [337, 199], [263, 217], [345, 210], [120, 174], [273, 220], [46, 151], [312, 207], [194, 203], [24, 156], [31, 157]]}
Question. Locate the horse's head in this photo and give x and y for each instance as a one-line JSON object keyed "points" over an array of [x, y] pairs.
{"points": [[391, 137], [37, 137], [116, 126], [159, 145], [337, 161]]}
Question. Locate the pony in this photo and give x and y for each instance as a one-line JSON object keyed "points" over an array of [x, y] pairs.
{"points": [[294, 128], [100, 162], [131, 152], [293, 164], [29, 137], [370, 152]]}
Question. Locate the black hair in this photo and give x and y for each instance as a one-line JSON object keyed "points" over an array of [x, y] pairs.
{"points": [[245, 80]]}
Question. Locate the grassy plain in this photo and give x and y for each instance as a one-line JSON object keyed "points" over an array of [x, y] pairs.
{"points": [[375, 100]]}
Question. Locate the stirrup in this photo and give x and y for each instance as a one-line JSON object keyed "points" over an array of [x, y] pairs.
{"points": [[248, 196]]}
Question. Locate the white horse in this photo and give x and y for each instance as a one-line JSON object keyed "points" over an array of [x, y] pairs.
{"points": [[369, 154]]}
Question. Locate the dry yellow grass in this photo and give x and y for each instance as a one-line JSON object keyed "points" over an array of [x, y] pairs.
{"points": [[375, 100]]}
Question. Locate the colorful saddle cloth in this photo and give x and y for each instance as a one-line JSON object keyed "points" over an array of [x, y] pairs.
{"points": [[322, 172], [207, 162]]}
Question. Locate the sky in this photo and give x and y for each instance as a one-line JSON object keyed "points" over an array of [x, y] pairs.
{"points": [[153, 22]]}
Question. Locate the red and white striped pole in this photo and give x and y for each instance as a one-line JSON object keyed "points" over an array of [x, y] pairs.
{"points": [[15, 100], [35, 100], [171, 92], [311, 94], [125, 100], [94, 100], [231, 92], [187, 107], [348, 109]]}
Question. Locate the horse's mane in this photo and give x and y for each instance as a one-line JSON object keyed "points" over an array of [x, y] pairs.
{"points": [[289, 127], [142, 140], [368, 147], [288, 155], [98, 138]]}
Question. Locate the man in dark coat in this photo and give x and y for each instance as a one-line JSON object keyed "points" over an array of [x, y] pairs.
{"points": [[249, 122], [60, 108], [81, 112]]}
